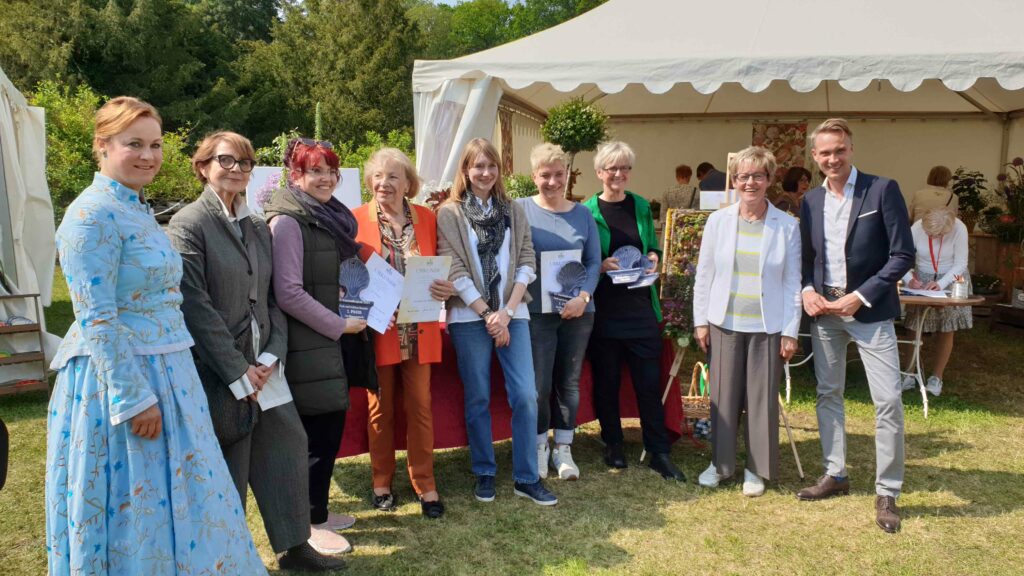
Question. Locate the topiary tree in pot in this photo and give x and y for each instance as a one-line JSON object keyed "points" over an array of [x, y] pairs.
{"points": [[575, 126]]}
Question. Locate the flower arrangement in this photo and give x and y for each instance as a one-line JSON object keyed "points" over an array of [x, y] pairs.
{"points": [[683, 232], [1008, 224]]}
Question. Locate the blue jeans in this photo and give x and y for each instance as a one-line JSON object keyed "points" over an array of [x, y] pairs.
{"points": [[473, 347]]}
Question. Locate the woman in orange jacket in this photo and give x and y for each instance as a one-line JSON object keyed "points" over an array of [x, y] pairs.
{"points": [[396, 229]]}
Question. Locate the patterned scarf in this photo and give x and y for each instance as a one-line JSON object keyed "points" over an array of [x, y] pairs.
{"points": [[336, 218], [490, 232]]}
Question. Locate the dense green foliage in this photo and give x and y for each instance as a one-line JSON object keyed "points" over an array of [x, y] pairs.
{"points": [[575, 126], [258, 67]]}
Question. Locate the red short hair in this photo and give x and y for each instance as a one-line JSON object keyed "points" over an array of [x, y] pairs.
{"points": [[305, 157]]}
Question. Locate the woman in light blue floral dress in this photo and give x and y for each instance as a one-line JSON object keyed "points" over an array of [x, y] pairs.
{"points": [[135, 480]]}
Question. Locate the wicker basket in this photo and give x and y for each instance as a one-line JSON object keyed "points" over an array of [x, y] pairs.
{"points": [[696, 405]]}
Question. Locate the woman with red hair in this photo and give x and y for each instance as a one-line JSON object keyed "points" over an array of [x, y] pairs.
{"points": [[313, 233]]}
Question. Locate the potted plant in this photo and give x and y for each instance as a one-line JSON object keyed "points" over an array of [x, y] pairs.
{"points": [[576, 126], [970, 187]]}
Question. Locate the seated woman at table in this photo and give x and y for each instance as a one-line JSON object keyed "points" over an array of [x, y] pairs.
{"points": [[626, 321], [746, 311], [488, 238], [941, 242], [397, 229], [559, 339]]}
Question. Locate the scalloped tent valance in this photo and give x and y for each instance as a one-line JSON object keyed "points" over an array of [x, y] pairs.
{"points": [[798, 45], [669, 59]]}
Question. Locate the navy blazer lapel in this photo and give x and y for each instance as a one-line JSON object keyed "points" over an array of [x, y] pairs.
{"points": [[816, 199], [860, 190]]}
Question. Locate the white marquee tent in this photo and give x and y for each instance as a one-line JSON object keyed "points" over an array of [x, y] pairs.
{"points": [[926, 81], [27, 247]]}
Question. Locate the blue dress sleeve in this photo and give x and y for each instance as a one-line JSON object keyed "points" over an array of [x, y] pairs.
{"points": [[90, 254]]}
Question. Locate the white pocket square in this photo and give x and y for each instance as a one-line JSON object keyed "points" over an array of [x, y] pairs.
{"points": [[866, 214]]}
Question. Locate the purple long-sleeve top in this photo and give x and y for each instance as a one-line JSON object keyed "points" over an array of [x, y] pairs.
{"points": [[292, 299]]}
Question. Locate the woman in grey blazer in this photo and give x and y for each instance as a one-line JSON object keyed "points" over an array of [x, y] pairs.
{"points": [[746, 310], [240, 339]]}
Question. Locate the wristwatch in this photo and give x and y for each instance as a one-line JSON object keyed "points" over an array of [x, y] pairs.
{"points": [[586, 298], [511, 313]]}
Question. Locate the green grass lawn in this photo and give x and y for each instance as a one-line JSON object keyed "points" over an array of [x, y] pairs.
{"points": [[963, 502]]}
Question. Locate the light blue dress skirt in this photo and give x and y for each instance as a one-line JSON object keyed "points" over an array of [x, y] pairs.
{"points": [[120, 504]]}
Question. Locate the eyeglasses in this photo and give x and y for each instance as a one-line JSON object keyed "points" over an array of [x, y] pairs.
{"points": [[313, 143], [614, 169], [318, 173], [757, 177], [228, 162]]}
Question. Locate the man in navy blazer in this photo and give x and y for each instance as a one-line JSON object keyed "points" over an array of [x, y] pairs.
{"points": [[856, 245]]}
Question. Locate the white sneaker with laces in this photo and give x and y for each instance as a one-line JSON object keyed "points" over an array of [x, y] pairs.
{"points": [[934, 385], [561, 460], [710, 477], [753, 485], [909, 382], [543, 451], [325, 541]]}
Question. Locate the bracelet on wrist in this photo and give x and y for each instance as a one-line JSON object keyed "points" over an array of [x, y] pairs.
{"points": [[486, 312]]}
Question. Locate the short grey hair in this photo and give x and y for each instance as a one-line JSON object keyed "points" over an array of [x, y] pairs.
{"points": [[938, 221], [760, 158], [611, 152], [547, 153]]}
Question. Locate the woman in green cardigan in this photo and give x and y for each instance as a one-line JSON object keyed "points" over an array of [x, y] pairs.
{"points": [[626, 323]]}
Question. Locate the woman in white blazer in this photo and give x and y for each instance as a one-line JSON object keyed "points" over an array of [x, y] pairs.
{"points": [[746, 314]]}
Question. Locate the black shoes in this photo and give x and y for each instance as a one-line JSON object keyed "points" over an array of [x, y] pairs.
{"points": [[432, 510], [304, 557], [661, 464], [385, 502], [614, 457]]}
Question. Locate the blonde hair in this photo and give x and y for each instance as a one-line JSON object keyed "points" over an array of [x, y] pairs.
{"points": [[835, 126], [547, 153], [205, 151], [381, 158], [938, 221], [613, 151], [474, 148], [760, 158], [116, 116]]}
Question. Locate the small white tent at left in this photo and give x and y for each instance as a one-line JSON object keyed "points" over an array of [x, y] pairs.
{"points": [[27, 247]]}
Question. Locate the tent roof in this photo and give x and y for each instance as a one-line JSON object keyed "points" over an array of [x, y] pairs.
{"points": [[799, 56]]}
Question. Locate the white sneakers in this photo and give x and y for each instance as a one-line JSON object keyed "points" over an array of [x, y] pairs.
{"points": [[753, 485], [561, 460], [909, 382], [339, 521], [934, 385], [710, 477], [325, 541], [542, 459]]}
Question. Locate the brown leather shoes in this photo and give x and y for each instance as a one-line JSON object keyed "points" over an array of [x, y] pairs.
{"points": [[887, 515], [826, 487]]}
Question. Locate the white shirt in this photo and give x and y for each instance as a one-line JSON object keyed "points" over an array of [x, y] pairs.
{"points": [[837, 222], [950, 253], [242, 387], [467, 289]]}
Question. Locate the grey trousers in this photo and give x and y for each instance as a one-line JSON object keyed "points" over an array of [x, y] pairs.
{"points": [[559, 347], [273, 460], [876, 342], [745, 372]]}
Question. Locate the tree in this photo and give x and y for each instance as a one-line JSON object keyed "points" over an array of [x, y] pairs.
{"points": [[576, 127], [533, 16], [477, 25], [354, 56]]}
